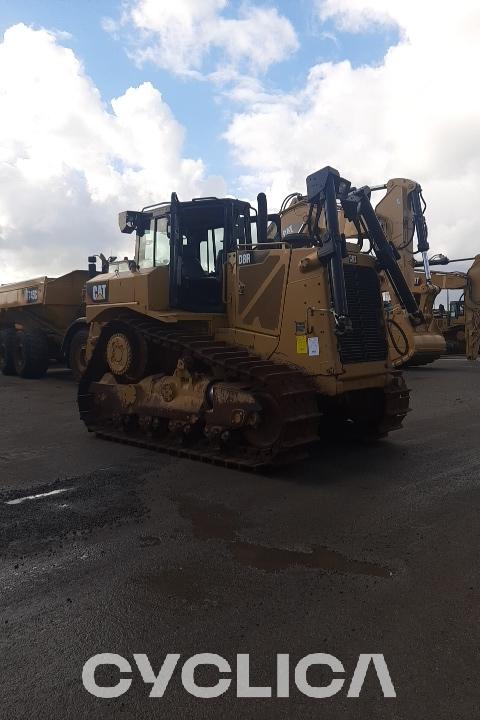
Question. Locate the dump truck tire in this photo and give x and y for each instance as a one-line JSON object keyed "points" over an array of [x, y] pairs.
{"points": [[7, 339], [31, 353], [76, 356]]}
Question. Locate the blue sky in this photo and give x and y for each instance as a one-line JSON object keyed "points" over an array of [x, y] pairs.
{"points": [[227, 98], [112, 71]]}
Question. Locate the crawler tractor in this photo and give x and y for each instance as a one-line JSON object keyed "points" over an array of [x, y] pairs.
{"points": [[225, 345]]}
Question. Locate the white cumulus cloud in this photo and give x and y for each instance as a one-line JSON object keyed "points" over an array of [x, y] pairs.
{"points": [[69, 161], [187, 35], [415, 114]]}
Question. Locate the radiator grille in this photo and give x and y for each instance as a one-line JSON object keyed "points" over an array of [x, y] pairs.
{"points": [[367, 341]]}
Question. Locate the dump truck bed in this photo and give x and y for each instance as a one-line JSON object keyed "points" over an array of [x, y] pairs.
{"points": [[64, 290]]}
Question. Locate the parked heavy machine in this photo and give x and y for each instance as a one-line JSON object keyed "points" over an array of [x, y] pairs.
{"points": [[460, 330], [43, 320], [39, 323], [460, 324], [404, 203], [239, 351], [402, 215]]}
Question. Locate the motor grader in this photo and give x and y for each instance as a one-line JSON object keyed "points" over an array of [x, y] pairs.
{"points": [[225, 345], [401, 215]]}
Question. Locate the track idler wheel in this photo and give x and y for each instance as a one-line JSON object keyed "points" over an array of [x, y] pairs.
{"points": [[127, 355]]}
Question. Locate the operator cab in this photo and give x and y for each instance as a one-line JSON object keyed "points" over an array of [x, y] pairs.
{"points": [[202, 233], [457, 309], [192, 239]]}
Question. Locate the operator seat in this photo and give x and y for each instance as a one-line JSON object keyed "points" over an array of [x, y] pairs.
{"points": [[220, 259], [191, 265]]}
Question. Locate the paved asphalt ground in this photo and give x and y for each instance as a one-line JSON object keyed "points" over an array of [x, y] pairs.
{"points": [[359, 550]]}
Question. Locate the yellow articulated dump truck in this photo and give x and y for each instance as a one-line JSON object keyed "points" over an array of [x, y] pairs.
{"points": [[225, 345], [40, 322]]}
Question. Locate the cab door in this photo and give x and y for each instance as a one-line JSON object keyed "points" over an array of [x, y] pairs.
{"points": [[175, 283]]}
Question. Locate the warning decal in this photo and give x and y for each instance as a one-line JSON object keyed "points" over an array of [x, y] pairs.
{"points": [[302, 345]]}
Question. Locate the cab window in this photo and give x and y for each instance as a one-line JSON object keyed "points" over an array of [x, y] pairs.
{"points": [[162, 242], [210, 248], [154, 245], [146, 248]]}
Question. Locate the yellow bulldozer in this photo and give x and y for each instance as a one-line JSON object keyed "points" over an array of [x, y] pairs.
{"points": [[226, 345]]}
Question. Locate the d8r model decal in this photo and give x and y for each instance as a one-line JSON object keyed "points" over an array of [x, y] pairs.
{"points": [[245, 258]]}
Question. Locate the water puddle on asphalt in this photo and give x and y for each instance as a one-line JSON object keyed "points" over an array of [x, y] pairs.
{"points": [[27, 454], [20, 500], [214, 521], [272, 559], [219, 522]]}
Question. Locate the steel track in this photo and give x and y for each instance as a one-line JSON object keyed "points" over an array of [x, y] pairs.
{"points": [[289, 390]]}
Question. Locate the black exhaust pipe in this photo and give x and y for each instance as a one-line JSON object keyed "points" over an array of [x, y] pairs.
{"points": [[262, 218]]}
